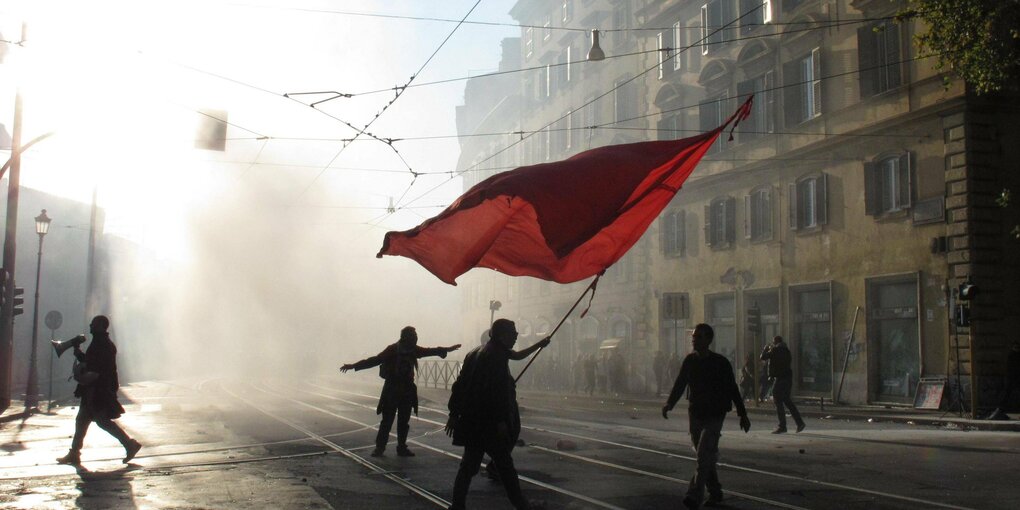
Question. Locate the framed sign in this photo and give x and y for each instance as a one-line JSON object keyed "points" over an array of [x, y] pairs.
{"points": [[929, 393]]}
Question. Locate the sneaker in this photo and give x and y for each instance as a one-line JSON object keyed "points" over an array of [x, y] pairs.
{"points": [[72, 458], [997, 415], [402, 451], [779, 430], [131, 449], [714, 499], [800, 427], [691, 503], [378, 452]]}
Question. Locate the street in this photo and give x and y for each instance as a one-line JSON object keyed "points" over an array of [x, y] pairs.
{"points": [[221, 443]]}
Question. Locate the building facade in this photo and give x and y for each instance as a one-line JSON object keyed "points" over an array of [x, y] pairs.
{"points": [[844, 214]]}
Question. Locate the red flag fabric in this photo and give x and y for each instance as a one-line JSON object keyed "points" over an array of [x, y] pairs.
{"points": [[562, 221]]}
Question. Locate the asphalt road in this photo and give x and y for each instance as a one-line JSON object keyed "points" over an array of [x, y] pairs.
{"points": [[222, 443]]}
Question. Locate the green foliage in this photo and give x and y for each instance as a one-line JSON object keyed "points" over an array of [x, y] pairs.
{"points": [[977, 39]]}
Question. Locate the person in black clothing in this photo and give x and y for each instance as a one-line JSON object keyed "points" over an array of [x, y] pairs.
{"points": [[779, 359], [1012, 382], [483, 412], [397, 364], [97, 388], [713, 392]]}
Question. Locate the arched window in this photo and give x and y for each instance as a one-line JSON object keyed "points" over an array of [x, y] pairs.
{"points": [[720, 230], [809, 202], [888, 184]]}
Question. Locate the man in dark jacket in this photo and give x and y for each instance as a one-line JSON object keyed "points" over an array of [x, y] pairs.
{"points": [[483, 412], [712, 393], [397, 364], [97, 388], [779, 370]]}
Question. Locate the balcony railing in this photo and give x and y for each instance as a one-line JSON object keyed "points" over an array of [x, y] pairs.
{"points": [[437, 373]]}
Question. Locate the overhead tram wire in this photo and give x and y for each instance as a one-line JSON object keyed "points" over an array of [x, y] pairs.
{"points": [[399, 92], [593, 100], [507, 24]]}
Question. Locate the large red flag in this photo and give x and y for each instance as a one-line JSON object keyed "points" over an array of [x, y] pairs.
{"points": [[562, 221]]}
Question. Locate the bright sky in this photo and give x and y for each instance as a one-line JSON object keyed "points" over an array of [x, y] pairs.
{"points": [[120, 82]]}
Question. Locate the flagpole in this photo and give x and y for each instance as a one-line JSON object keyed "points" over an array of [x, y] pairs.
{"points": [[591, 287]]}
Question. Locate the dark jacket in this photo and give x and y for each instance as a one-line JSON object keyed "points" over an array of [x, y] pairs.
{"points": [[397, 365], [779, 359], [100, 397], [1013, 368], [713, 390], [483, 395]]}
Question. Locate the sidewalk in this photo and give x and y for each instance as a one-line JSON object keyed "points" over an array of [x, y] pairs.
{"points": [[807, 408]]}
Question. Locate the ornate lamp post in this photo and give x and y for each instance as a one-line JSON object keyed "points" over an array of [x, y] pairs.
{"points": [[42, 225]]}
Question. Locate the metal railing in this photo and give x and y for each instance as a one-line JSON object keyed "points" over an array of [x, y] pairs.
{"points": [[436, 372]]}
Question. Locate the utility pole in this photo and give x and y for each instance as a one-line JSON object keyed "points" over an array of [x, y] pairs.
{"points": [[10, 246]]}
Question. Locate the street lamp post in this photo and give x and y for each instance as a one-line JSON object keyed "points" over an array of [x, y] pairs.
{"points": [[42, 225]]}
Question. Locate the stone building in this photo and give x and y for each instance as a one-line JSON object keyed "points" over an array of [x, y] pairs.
{"points": [[845, 214]]}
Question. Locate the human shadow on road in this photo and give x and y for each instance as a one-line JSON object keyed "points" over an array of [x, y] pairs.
{"points": [[105, 489]]}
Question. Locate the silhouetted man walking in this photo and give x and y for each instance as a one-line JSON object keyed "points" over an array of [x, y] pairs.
{"points": [[713, 393], [779, 359], [482, 414], [397, 363], [97, 388]]}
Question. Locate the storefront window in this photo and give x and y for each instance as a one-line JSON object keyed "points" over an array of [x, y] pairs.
{"points": [[812, 340], [720, 317], [893, 321]]}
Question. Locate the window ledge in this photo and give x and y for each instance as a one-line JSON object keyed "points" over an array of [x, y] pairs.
{"points": [[891, 216]]}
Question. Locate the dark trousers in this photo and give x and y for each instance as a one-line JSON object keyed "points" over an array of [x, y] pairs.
{"points": [[1010, 387], [499, 451], [705, 433], [781, 395], [85, 418], [403, 414]]}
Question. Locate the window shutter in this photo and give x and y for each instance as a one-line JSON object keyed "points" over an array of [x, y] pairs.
{"points": [[704, 29], [747, 217], [816, 81], [792, 93], [892, 55], [678, 43], [794, 224], [867, 60], [822, 195], [729, 213], [727, 14], [664, 233], [872, 195], [681, 232], [766, 217], [708, 225], [660, 44], [906, 180]]}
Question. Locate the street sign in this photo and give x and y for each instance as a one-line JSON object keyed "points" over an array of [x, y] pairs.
{"points": [[53, 320]]}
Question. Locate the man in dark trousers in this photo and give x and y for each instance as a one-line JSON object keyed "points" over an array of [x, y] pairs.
{"points": [[779, 360], [483, 413], [97, 388], [712, 393], [397, 364]]}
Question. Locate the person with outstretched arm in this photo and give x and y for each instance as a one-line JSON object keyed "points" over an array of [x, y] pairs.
{"points": [[397, 364]]}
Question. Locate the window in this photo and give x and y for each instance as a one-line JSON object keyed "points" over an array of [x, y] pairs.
{"points": [[662, 44], [755, 13], [625, 100], [621, 22], [888, 185], [758, 214], [714, 16], [808, 202], [567, 11], [591, 113], [710, 116], [811, 333], [893, 335], [547, 28], [678, 45], [763, 109], [564, 67], [879, 57], [720, 312], [803, 98], [529, 42], [674, 233], [720, 223], [669, 126]]}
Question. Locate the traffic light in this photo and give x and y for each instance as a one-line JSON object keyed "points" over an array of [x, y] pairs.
{"points": [[754, 320], [967, 291], [18, 301]]}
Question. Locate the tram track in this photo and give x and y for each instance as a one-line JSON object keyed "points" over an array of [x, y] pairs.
{"points": [[761, 472]]}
